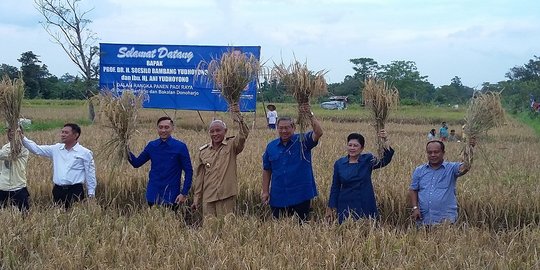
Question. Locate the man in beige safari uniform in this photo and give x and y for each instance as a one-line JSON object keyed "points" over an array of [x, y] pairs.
{"points": [[216, 181]]}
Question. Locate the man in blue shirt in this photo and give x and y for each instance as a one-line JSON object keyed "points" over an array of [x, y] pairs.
{"points": [[169, 158], [433, 188], [288, 168]]}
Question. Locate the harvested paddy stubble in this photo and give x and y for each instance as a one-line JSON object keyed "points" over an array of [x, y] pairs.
{"points": [[498, 225]]}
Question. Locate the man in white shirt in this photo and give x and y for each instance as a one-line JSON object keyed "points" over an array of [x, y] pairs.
{"points": [[272, 116], [73, 164], [13, 177]]}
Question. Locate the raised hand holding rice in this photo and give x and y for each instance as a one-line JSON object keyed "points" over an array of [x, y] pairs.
{"points": [[120, 113], [303, 84], [485, 112], [11, 96], [380, 98], [231, 74]]}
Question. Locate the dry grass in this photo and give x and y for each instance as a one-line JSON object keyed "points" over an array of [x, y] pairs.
{"points": [[154, 239], [232, 73], [498, 226], [303, 84], [11, 96], [485, 112], [119, 113], [380, 98]]}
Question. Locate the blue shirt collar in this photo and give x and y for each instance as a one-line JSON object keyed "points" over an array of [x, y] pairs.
{"points": [[167, 141], [293, 139], [345, 159], [443, 165]]}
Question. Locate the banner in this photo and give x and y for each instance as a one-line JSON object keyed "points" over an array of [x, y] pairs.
{"points": [[169, 75]]}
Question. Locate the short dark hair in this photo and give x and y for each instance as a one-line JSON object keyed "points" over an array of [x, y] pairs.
{"points": [[452, 130], [164, 118], [285, 118], [75, 128], [436, 141], [358, 137]]}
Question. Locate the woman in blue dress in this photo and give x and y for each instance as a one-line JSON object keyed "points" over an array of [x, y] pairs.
{"points": [[351, 194]]}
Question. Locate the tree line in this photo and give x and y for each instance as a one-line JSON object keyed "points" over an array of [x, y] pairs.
{"points": [[414, 88], [40, 83]]}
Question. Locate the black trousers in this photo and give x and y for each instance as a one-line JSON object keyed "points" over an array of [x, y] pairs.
{"points": [[67, 194], [19, 198], [302, 210]]}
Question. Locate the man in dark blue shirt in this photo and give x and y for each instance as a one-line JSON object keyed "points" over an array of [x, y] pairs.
{"points": [[169, 158], [287, 166]]}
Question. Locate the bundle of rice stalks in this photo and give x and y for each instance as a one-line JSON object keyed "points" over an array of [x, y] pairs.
{"points": [[232, 73], [485, 112], [380, 98], [120, 113], [11, 96], [303, 84]]}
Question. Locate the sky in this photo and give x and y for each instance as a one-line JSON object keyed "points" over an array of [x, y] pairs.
{"points": [[478, 41]]}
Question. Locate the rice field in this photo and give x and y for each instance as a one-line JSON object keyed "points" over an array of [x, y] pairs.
{"points": [[498, 226]]}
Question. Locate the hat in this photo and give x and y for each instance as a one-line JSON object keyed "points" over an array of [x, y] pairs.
{"points": [[271, 106]]}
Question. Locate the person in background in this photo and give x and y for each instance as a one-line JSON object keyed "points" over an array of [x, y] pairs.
{"points": [[432, 135], [13, 190], [443, 132], [216, 181], [271, 116], [432, 192], [351, 193], [73, 165], [453, 137], [169, 157], [288, 182]]}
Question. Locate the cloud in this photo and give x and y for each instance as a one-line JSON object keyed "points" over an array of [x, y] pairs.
{"points": [[445, 38], [20, 13]]}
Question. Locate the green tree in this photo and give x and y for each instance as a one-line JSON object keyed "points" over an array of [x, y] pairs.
{"points": [[11, 71], [273, 91], [522, 82], [404, 75], [364, 68], [349, 87], [33, 74], [70, 87], [68, 25], [528, 72], [454, 93]]}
